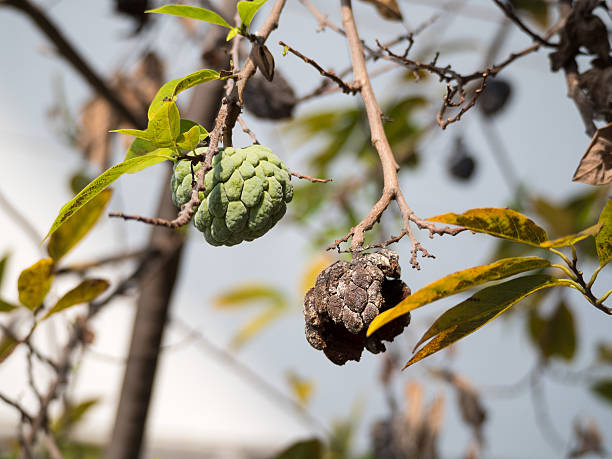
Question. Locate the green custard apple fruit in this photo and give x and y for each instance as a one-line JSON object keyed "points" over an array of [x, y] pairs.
{"points": [[246, 192]]}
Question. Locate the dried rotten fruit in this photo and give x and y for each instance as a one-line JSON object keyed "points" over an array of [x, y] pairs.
{"points": [[269, 99], [494, 97], [246, 192], [461, 164], [346, 298]]}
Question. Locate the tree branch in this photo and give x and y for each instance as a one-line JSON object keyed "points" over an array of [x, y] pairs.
{"points": [[391, 188], [231, 106], [66, 50], [509, 12], [346, 88]]}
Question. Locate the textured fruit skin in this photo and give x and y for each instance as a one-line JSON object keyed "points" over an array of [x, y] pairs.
{"points": [[346, 298], [246, 193]]}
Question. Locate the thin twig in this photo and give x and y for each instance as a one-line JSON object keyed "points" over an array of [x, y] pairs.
{"points": [[457, 89], [24, 224], [24, 414], [252, 377], [231, 106], [373, 54], [347, 88], [509, 12], [80, 268], [65, 49], [247, 131], [391, 188], [31, 381], [501, 155], [312, 179], [542, 415], [52, 448]]}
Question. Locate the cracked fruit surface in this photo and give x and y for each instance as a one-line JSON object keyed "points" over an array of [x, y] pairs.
{"points": [[346, 298], [246, 193]]}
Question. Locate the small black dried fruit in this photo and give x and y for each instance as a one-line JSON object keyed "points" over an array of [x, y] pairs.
{"points": [[269, 99], [461, 164], [494, 97]]}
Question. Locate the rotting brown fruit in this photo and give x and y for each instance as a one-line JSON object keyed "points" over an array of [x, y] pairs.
{"points": [[346, 298]]}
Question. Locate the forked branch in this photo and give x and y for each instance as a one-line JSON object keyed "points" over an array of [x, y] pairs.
{"points": [[391, 188]]}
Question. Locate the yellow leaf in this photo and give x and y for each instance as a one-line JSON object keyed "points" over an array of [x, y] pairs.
{"points": [[302, 388], [475, 312], [86, 291], [7, 346], [34, 283], [456, 283], [603, 240], [6, 306], [573, 238], [256, 325], [249, 294], [315, 266], [504, 223], [70, 233]]}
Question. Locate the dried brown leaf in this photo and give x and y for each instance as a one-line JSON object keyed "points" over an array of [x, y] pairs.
{"points": [[388, 9], [264, 61], [588, 439], [97, 117], [595, 167], [597, 83]]}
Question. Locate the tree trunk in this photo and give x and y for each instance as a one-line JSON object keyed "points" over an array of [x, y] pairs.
{"points": [[157, 284]]}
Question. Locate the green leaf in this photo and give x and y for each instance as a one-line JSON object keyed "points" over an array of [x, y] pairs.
{"points": [[248, 9], [34, 283], [173, 87], [165, 125], [7, 346], [504, 223], [100, 183], [604, 352], [573, 238], [186, 125], [232, 33], [482, 307], [86, 291], [192, 12], [77, 227], [248, 294], [554, 336], [456, 283], [3, 263], [143, 135], [306, 449], [163, 128], [139, 147], [6, 306], [72, 414], [603, 240], [190, 139], [538, 9], [603, 388]]}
